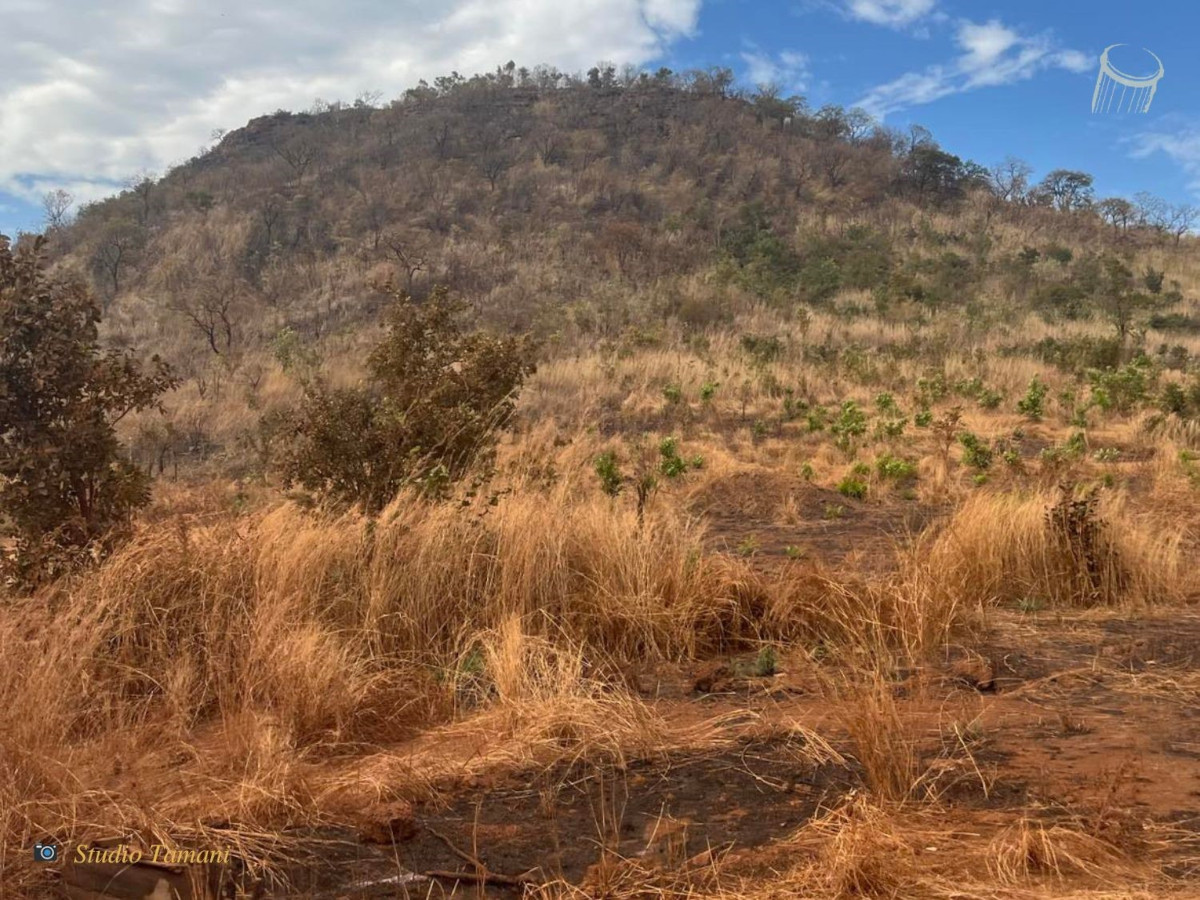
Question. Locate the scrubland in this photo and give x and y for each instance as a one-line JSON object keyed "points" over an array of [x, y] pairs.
{"points": [[907, 607]]}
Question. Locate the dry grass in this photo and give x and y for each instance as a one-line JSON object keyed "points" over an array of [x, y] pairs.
{"points": [[1011, 548], [1027, 849]]}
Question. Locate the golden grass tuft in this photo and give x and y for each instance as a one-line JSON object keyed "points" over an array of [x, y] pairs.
{"points": [[1047, 548], [1028, 849], [857, 850]]}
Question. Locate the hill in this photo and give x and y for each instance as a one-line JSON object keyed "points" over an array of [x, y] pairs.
{"points": [[837, 546]]}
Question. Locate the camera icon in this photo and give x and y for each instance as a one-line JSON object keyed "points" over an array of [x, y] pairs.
{"points": [[45, 852]]}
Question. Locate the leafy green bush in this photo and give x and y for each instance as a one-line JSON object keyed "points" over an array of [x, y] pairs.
{"points": [[1077, 354], [849, 426], [671, 464], [989, 399], [895, 468], [852, 487], [435, 402], [976, 452], [65, 480], [1032, 405], [766, 663], [609, 472], [1124, 388], [931, 388]]}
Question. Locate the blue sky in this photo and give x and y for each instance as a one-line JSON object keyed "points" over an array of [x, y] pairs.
{"points": [[95, 92]]}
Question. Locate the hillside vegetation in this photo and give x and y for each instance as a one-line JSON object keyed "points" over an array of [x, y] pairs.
{"points": [[660, 489], [602, 212]]}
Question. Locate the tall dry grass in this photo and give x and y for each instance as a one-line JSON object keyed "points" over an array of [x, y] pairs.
{"points": [[1032, 548]]}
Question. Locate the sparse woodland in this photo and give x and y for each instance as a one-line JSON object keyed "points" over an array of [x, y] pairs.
{"points": [[544, 427]]}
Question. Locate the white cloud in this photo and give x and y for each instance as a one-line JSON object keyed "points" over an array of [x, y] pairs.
{"points": [[787, 70], [105, 88], [992, 54], [1182, 146], [1074, 61], [892, 13], [985, 43]]}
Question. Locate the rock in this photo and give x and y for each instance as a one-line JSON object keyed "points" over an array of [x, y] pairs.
{"points": [[388, 823]]}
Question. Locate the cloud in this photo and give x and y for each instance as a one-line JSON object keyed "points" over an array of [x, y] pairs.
{"points": [[106, 88], [992, 54], [1182, 146], [788, 69], [892, 13]]}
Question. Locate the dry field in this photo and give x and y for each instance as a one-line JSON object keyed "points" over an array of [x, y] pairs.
{"points": [[825, 661]]}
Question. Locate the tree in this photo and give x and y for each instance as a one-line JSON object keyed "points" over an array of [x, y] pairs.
{"points": [[933, 173], [1180, 220], [411, 250], [770, 106], [57, 206], [65, 481], [1010, 179], [143, 188], [116, 251], [1068, 190], [436, 399], [1119, 299], [1152, 211], [1117, 212]]}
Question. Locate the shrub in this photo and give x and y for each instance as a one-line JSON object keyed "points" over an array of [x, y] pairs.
{"points": [[931, 388], [887, 405], [850, 425], [671, 464], [989, 399], [65, 480], [895, 468], [1032, 405], [766, 663], [1122, 389], [609, 472], [851, 486], [436, 399], [976, 452]]}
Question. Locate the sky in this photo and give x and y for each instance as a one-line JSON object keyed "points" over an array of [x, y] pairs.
{"points": [[96, 92]]}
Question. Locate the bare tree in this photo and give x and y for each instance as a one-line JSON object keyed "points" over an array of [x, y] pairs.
{"points": [[493, 165], [298, 154], [57, 205], [410, 249], [1152, 212], [1009, 179], [115, 251], [143, 186], [1181, 219]]}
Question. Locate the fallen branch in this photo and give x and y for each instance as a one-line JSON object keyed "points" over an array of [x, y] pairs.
{"points": [[483, 876]]}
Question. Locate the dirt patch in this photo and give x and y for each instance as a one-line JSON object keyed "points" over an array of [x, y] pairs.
{"points": [[555, 823], [774, 519]]}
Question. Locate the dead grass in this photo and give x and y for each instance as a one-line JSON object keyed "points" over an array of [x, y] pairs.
{"points": [[1038, 548]]}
